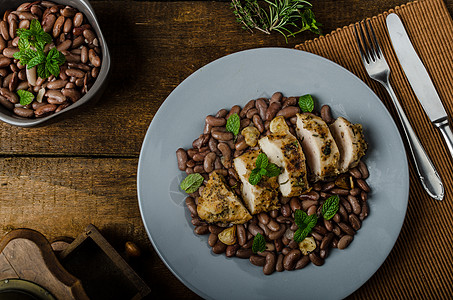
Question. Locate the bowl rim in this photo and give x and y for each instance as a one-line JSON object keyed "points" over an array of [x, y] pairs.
{"points": [[99, 82]]}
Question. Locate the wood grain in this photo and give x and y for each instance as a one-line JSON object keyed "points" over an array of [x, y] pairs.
{"points": [[59, 178]]}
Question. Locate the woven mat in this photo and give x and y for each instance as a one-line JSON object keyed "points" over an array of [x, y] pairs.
{"points": [[420, 265]]}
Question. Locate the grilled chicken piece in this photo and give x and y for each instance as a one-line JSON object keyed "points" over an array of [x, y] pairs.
{"points": [[350, 142], [219, 204], [283, 149], [319, 146], [261, 197]]}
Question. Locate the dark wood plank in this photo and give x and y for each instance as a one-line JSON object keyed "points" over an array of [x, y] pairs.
{"points": [[154, 46]]}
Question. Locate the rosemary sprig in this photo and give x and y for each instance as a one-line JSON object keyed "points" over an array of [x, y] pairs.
{"points": [[288, 17]]}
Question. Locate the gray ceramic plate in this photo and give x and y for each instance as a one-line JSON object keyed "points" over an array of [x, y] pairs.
{"points": [[235, 79]]}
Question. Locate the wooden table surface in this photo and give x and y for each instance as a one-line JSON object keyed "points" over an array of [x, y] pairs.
{"points": [[59, 178]]}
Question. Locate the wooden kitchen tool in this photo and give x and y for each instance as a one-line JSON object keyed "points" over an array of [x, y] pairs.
{"points": [[29, 268]]}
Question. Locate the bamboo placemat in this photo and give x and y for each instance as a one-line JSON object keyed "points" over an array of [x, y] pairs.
{"points": [[420, 265]]}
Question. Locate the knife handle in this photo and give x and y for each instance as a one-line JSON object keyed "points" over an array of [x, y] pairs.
{"points": [[428, 175], [446, 132]]}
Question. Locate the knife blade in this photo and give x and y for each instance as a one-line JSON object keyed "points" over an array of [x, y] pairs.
{"points": [[419, 78]]}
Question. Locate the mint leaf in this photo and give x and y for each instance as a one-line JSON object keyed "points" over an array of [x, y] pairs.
{"points": [[233, 124], [259, 243], [273, 170], [300, 235], [311, 221], [330, 207], [23, 44], [299, 217], [25, 97], [56, 56], [191, 183], [306, 103], [255, 176], [53, 67], [38, 59], [261, 161], [42, 72], [35, 26]]}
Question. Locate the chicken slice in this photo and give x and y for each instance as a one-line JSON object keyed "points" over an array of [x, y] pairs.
{"points": [[350, 141], [261, 197], [283, 149], [318, 145], [218, 203]]}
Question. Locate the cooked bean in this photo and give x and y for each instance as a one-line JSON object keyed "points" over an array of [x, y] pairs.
{"points": [[73, 94], [261, 106], [57, 26], [286, 210], [212, 239], [13, 82], [311, 195], [219, 248], [23, 112], [244, 123], [213, 121], [346, 205], [230, 250], [278, 244], [328, 225], [326, 114], [251, 112], [241, 144], [234, 110], [295, 204], [355, 204], [355, 191], [307, 203], [355, 173], [57, 95], [302, 262], [327, 239], [4, 62], [343, 212], [290, 101], [337, 230], [244, 253], [288, 112], [346, 228], [258, 123], [254, 229], [269, 266], [48, 22], [75, 73], [241, 234], [272, 110], [276, 97], [6, 103], [56, 84], [190, 203], [290, 259], [4, 30], [312, 210], [64, 45], [246, 108], [257, 260], [363, 170], [363, 185], [273, 225], [320, 229], [222, 136], [9, 52], [340, 192], [201, 229], [324, 253], [355, 222], [11, 96], [78, 19], [208, 163], [328, 186], [181, 156], [68, 12], [345, 241], [279, 265], [315, 259], [273, 235], [364, 212]]}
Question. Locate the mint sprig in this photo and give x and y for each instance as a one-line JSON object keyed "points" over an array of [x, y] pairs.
{"points": [[330, 207], [259, 243], [25, 97], [191, 183], [306, 103], [305, 224], [233, 124], [263, 168], [31, 51]]}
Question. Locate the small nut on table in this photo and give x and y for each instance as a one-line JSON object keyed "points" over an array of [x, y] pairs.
{"points": [[132, 250]]}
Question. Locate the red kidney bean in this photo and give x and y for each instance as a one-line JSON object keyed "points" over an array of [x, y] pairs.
{"points": [[258, 123], [78, 19], [346, 228], [208, 163], [254, 229], [62, 106], [345, 241], [273, 225], [355, 222], [182, 158], [286, 210], [212, 239], [6, 103], [240, 144], [9, 52], [222, 136], [12, 97], [234, 110], [231, 250], [226, 153], [346, 205], [325, 242], [276, 97], [290, 259], [288, 112], [4, 62], [190, 203], [213, 121], [355, 204], [273, 235], [355, 191], [68, 12], [328, 225], [251, 112], [307, 203], [364, 212], [355, 173], [295, 204], [315, 259], [48, 22], [4, 30], [363, 170], [326, 114], [13, 82], [278, 245], [312, 210], [244, 253], [261, 106], [340, 192], [201, 229], [219, 248], [269, 266], [263, 218], [241, 234], [363, 185], [257, 260], [312, 195], [75, 73], [57, 26], [279, 265], [302, 262], [199, 169], [56, 84], [247, 107], [272, 110], [23, 112], [328, 186]]}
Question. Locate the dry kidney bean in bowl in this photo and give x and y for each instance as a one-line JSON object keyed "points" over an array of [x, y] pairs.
{"points": [[76, 34]]}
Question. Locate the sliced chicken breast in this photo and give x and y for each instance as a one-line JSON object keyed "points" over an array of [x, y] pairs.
{"points": [[219, 204], [283, 149], [318, 145], [257, 198], [350, 141]]}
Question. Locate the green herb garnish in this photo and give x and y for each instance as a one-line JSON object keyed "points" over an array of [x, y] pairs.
{"points": [[233, 124], [305, 223], [25, 97], [306, 103], [330, 207], [191, 183], [259, 243], [288, 17], [31, 51], [263, 168]]}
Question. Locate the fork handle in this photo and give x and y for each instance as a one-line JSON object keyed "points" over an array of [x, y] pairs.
{"points": [[427, 174]]}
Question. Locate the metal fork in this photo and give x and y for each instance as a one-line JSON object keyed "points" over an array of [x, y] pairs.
{"points": [[378, 69]]}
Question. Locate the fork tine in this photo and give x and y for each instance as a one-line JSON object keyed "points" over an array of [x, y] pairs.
{"points": [[374, 47], [359, 44], [368, 47], [377, 46]]}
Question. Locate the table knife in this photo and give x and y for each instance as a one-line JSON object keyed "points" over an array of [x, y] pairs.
{"points": [[419, 78]]}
